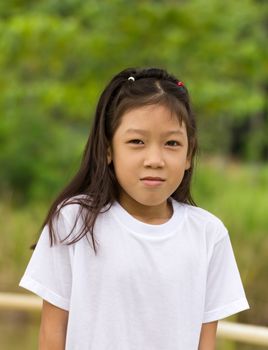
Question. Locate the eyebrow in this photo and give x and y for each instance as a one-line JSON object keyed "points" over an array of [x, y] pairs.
{"points": [[144, 132]]}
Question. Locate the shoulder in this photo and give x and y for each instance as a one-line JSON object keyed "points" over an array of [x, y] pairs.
{"points": [[202, 214], [68, 218], [202, 220], [71, 209], [74, 213]]}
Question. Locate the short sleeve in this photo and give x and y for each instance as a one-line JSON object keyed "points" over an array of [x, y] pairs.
{"points": [[225, 295], [49, 272]]}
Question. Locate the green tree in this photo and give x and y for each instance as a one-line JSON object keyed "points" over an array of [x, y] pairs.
{"points": [[56, 56]]}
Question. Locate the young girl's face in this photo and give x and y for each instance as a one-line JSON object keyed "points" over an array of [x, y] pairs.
{"points": [[149, 154]]}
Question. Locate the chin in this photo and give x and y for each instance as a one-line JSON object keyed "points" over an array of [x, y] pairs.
{"points": [[152, 202]]}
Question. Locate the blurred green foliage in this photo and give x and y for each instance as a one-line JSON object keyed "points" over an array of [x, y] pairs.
{"points": [[57, 56]]}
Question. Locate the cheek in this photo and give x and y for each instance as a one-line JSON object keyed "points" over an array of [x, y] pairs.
{"points": [[126, 158], [123, 165], [179, 167]]}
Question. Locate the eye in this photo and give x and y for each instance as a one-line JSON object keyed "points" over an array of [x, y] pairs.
{"points": [[136, 142], [173, 143]]}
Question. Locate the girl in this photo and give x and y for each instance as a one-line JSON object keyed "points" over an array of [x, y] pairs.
{"points": [[125, 259]]}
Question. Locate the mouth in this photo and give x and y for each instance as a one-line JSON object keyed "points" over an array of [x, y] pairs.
{"points": [[152, 181], [153, 178]]}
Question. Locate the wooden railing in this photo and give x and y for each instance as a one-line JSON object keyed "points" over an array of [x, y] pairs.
{"points": [[228, 330], [243, 333], [22, 302]]}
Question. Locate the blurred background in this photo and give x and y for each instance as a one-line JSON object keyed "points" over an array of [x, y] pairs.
{"points": [[55, 59]]}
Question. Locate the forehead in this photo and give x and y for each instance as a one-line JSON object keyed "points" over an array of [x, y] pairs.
{"points": [[151, 118]]}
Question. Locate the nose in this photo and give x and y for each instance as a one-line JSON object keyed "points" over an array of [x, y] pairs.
{"points": [[154, 158]]}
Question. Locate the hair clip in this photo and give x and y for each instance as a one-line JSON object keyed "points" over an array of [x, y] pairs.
{"points": [[180, 83], [131, 78]]}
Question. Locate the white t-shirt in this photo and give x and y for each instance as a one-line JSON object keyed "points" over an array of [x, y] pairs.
{"points": [[149, 287]]}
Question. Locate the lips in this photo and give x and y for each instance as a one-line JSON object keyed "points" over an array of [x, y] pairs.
{"points": [[152, 181], [152, 178]]}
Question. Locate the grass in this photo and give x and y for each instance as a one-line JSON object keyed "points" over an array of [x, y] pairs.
{"points": [[236, 193], [17, 234]]}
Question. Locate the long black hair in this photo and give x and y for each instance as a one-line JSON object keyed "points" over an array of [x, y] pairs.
{"points": [[94, 186]]}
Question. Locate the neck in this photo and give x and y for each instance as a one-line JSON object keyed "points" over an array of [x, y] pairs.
{"points": [[154, 215]]}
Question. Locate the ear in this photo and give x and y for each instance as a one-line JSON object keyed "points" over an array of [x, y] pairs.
{"points": [[188, 163], [109, 155]]}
